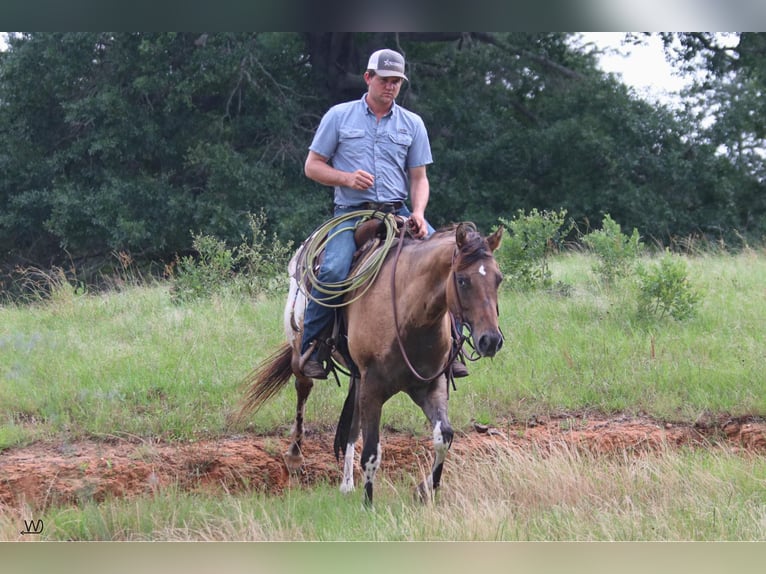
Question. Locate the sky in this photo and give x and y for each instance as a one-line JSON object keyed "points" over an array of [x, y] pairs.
{"points": [[642, 67]]}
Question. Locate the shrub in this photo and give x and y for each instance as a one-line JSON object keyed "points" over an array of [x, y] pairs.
{"points": [[664, 289], [523, 254], [207, 273], [262, 264], [615, 251], [254, 267]]}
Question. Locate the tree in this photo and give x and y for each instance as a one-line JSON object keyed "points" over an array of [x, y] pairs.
{"points": [[728, 101], [138, 141]]}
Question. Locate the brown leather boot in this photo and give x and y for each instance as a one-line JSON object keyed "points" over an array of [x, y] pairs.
{"points": [[459, 370], [314, 370]]}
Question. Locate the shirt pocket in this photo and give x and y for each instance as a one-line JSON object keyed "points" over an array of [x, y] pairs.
{"points": [[401, 139], [351, 152], [395, 147], [350, 134]]}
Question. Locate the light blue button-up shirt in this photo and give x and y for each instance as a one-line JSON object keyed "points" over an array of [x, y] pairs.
{"points": [[352, 138]]}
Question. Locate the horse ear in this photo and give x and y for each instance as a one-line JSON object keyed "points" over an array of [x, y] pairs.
{"points": [[460, 234], [494, 239]]}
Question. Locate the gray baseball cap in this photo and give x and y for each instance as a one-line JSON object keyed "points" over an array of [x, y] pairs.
{"points": [[387, 63]]}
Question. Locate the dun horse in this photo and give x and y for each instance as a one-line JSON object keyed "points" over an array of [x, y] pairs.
{"points": [[400, 339]]}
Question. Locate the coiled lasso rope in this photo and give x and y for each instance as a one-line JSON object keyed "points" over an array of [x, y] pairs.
{"points": [[361, 277]]}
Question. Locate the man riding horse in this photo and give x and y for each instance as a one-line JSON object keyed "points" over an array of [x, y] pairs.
{"points": [[371, 151]]}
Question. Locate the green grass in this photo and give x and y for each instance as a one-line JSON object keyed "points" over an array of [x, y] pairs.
{"points": [[133, 363], [592, 350]]}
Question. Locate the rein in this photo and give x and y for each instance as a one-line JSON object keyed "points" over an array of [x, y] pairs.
{"points": [[459, 337]]}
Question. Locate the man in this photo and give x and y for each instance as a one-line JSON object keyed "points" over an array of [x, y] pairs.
{"points": [[372, 152]]}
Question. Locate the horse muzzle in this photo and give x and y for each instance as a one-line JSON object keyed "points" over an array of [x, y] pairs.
{"points": [[489, 343]]}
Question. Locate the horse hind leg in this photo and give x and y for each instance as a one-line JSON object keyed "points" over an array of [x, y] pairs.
{"points": [[371, 450], [346, 435], [293, 457]]}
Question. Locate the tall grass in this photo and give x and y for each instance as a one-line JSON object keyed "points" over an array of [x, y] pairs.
{"points": [[559, 495], [136, 362], [590, 348]]}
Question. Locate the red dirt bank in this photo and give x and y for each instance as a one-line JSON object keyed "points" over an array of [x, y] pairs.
{"points": [[44, 474]]}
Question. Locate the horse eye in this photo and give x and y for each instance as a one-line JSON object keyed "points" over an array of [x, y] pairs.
{"points": [[463, 281]]}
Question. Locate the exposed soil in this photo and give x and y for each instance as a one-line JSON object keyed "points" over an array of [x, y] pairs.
{"points": [[43, 474]]}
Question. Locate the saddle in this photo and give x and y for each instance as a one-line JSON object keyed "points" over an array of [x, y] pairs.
{"points": [[372, 240]]}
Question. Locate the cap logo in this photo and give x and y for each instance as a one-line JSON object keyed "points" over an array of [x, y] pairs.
{"points": [[387, 63], [391, 64]]}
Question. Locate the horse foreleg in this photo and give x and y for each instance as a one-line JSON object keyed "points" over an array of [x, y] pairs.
{"points": [[442, 440], [347, 485], [433, 402], [293, 457], [346, 434]]}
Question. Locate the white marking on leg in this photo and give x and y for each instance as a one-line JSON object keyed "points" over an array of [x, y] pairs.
{"points": [[371, 466], [440, 448], [348, 469]]}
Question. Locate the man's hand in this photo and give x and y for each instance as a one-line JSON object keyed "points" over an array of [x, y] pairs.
{"points": [[317, 168], [417, 225], [360, 180]]}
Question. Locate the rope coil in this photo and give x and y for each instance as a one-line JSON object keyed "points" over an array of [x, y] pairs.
{"points": [[360, 278]]}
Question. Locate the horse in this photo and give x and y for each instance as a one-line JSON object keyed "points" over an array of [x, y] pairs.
{"points": [[400, 338]]}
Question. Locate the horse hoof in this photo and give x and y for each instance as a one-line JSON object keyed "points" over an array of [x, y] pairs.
{"points": [[423, 494], [293, 462], [346, 487]]}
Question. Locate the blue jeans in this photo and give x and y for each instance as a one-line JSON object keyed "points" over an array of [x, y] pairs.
{"points": [[339, 251]]}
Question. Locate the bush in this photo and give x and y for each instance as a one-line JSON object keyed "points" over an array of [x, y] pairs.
{"points": [[207, 273], [254, 267], [262, 264], [616, 252], [664, 289], [523, 254]]}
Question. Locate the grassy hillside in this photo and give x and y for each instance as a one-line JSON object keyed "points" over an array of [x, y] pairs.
{"points": [[134, 362]]}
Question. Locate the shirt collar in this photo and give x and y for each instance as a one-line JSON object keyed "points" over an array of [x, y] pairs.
{"points": [[369, 111]]}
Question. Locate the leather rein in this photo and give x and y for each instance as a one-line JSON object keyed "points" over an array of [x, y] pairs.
{"points": [[459, 337]]}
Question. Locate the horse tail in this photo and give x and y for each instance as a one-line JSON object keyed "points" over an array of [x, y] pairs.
{"points": [[344, 423], [266, 380]]}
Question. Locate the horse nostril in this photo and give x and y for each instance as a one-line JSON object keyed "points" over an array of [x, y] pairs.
{"points": [[489, 344]]}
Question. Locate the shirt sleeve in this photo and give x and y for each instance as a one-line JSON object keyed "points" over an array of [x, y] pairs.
{"points": [[325, 140], [420, 150]]}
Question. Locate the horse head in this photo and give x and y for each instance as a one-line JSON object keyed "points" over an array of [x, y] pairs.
{"points": [[472, 288]]}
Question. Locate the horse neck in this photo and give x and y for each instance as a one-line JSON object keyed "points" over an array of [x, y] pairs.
{"points": [[422, 275]]}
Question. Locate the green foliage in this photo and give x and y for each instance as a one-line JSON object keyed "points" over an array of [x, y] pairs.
{"points": [[262, 262], [209, 272], [123, 142], [254, 267], [616, 252], [664, 289], [524, 252]]}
